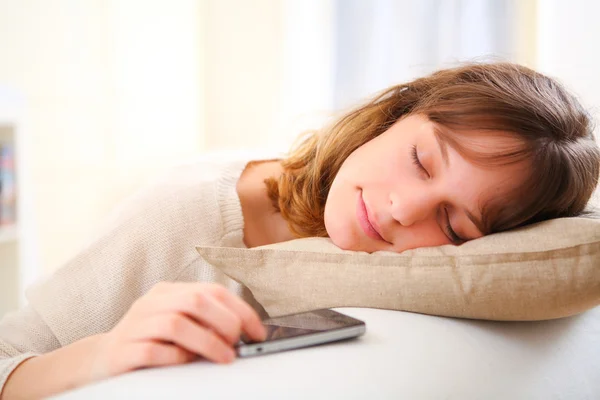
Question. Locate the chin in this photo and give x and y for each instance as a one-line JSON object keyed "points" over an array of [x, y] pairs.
{"points": [[341, 230], [339, 236], [346, 240], [342, 242]]}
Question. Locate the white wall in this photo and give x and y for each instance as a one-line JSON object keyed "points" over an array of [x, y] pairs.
{"points": [[112, 94], [268, 71], [117, 90], [242, 71]]}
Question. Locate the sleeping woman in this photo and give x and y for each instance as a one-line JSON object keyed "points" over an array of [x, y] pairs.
{"points": [[444, 159]]}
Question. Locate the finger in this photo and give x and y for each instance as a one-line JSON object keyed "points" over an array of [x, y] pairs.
{"points": [[251, 322], [201, 306], [185, 333], [154, 354], [198, 306]]}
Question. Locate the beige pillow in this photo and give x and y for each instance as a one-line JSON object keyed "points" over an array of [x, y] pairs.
{"points": [[543, 271]]}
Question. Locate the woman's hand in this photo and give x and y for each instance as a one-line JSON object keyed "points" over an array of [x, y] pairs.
{"points": [[174, 323]]}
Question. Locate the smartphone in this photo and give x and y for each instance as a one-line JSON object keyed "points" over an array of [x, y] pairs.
{"points": [[302, 330]]}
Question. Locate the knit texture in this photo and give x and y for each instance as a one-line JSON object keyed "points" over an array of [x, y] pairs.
{"points": [[150, 238]]}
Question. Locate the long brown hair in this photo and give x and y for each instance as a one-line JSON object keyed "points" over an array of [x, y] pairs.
{"points": [[553, 129]]}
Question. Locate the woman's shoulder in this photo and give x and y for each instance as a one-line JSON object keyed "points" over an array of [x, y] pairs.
{"points": [[194, 194], [211, 166]]}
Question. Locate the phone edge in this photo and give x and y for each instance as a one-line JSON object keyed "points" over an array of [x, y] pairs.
{"points": [[249, 350]]}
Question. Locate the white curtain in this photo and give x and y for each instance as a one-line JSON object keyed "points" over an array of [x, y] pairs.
{"points": [[336, 53], [384, 42]]}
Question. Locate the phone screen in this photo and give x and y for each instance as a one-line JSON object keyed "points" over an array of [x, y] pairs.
{"points": [[304, 323]]}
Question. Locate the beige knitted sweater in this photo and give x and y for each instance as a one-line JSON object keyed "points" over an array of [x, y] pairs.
{"points": [[150, 238]]}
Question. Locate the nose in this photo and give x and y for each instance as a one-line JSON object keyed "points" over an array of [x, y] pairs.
{"points": [[413, 207]]}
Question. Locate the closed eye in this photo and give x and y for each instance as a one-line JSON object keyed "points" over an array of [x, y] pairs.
{"points": [[454, 238], [415, 157], [447, 227]]}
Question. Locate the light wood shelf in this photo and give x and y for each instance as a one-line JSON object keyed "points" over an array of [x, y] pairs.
{"points": [[9, 233], [18, 265]]}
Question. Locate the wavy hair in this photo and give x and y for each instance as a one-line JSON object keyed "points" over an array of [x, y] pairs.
{"points": [[554, 133]]}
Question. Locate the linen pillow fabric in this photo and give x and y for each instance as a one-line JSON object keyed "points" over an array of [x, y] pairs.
{"points": [[542, 271]]}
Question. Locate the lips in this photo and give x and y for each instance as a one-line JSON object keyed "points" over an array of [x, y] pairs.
{"points": [[364, 221]]}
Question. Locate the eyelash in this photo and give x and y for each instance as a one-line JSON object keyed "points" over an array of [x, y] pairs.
{"points": [[416, 161], [449, 231]]}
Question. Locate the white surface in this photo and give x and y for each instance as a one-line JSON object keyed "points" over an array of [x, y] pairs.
{"points": [[402, 356]]}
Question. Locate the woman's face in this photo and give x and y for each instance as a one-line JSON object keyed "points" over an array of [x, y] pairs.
{"points": [[405, 189]]}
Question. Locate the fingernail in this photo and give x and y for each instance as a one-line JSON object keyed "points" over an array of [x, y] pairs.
{"points": [[229, 355], [263, 332]]}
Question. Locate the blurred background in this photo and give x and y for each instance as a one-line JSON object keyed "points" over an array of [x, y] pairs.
{"points": [[97, 96]]}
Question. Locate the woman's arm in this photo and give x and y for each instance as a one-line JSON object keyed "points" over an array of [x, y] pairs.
{"points": [[174, 323], [151, 238], [49, 374], [23, 334]]}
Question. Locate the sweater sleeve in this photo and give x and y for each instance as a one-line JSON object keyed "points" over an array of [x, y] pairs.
{"points": [[90, 293], [24, 335], [150, 238]]}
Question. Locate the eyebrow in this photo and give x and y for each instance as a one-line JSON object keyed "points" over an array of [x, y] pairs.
{"points": [[444, 151]]}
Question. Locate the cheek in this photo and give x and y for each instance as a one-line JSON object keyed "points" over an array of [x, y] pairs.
{"points": [[424, 234], [338, 216], [336, 224], [331, 208]]}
